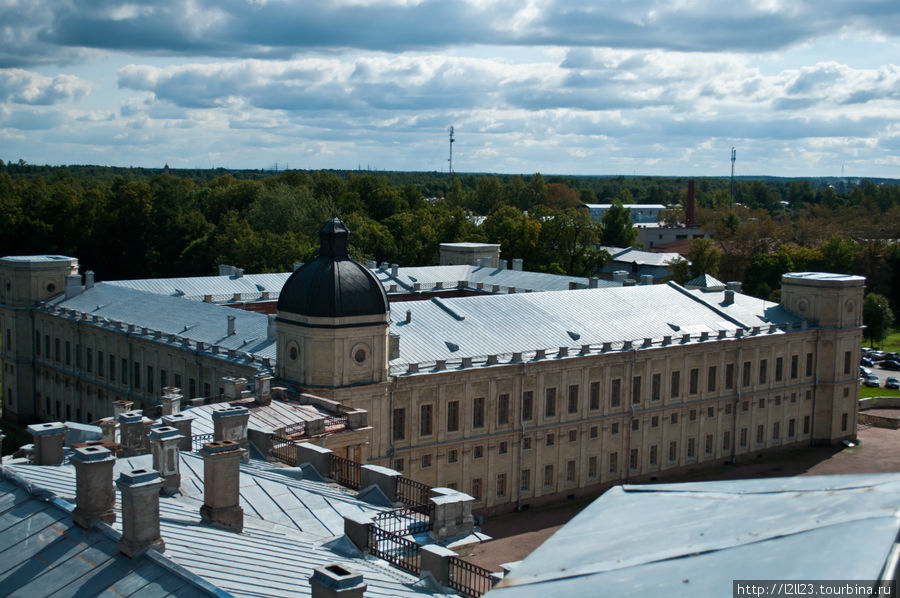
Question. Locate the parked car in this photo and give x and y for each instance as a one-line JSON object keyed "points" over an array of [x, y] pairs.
{"points": [[866, 362], [864, 372], [892, 383], [872, 381], [892, 355], [890, 364], [875, 355]]}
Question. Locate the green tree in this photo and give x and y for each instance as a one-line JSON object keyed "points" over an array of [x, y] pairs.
{"points": [[568, 237], [617, 228], [877, 317], [704, 257]]}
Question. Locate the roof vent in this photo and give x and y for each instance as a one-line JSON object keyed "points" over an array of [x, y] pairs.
{"points": [[606, 346], [704, 335], [440, 364], [516, 357], [540, 354], [452, 347], [626, 345], [412, 368], [723, 333], [686, 337], [729, 297], [466, 362], [667, 340], [648, 342], [408, 316], [563, 352], [585, 349], [395, 270], [230, 325], [492, 360], [573, 335]]}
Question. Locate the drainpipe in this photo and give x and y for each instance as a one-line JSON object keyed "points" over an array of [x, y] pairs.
{"points": [[739, 366], [521, 436], [812, 424]]}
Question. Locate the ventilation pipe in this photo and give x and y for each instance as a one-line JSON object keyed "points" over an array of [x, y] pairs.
{"points": [[231, 325]]}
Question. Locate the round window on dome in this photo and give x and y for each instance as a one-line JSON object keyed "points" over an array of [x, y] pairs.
{"points": [[360, 355], [293, 352]]}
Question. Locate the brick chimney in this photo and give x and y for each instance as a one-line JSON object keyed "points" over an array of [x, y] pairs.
{"points": [[131, 432], [164, 442], [94, 491], [140, 511], [230, 423], [181, 422], [263, 382], [336, 581], [49, 439], [120, 407], [221, 485], [171, 400]]}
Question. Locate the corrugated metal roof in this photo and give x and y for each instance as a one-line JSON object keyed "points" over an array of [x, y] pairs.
{"points": [[646, 258], [505, 324], [265, 418], [694, 539], [221, 288]]}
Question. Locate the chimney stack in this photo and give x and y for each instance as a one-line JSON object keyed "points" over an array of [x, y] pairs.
{"points": [[395, 270], [336, 581], [49, 439], [94, 491], [408, 316], [140, 511], [231, 325], [263, 383], [181, 422], [131, 432], [164, 442], [729, 297], [170, 400], [517, 264], [89, 279], [221, 485], [230, 423], [689, 209]]}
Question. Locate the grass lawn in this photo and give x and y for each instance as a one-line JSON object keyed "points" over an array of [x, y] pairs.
{"points": [[865, 392], [891, 342]]}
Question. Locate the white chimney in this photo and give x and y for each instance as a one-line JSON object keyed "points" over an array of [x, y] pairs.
{"points": [[517, 264], [231, 325], [89, 279], [395, 269]]}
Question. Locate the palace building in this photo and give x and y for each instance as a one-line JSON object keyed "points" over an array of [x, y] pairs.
{"points": [[513, 397]]}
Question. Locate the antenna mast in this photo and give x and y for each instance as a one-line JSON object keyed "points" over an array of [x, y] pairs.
{"points": [[733, 158], [451, 152]]}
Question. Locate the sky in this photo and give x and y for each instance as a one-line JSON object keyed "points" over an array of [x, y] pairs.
{"points": [[632, 87]]}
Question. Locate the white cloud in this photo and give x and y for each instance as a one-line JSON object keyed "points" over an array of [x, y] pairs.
{"points": [[25, 87]]}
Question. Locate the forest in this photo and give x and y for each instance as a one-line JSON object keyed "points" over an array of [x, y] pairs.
{"points": [[143, 223]]}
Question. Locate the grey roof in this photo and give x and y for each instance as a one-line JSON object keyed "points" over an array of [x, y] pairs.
{"points": [[475, 327], [291, 525], [220, 288], [450, 276], [36, 258], [705, 281], [265, 418], [646, 258], [43, 553], [196, 321], [693, 539]]}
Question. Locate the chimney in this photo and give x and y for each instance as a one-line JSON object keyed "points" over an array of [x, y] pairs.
{"points": [[238, 272], [73, 285], [517, 264], [231, 325], [620, 275], [263, 383], [182, 423], [733, 286], [108, 429], [408, 316], [271, 328], [221, 485], [395, 270], [394, 345], [593, 282], [233, 387], [628, 282], [121, 406], [164, 441], [89, 279], [94, 491], [171, 402], [336, 581], [502, 265], [729, 297], [48, 442], [230, 423], [371, 264], [131, 432], [140, 511], [689, 209], [646, 279]]}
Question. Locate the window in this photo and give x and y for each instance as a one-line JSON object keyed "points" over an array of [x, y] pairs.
{"points": [[760, 433], [635, 424], [743, 436], [779, 368], [503, 448], [846, 392], [691, 447], [503, 410], [478, 451], [89, 360], [613, 462], [676, 384], [573, 398], [47, 346], [777, 400], [595, 396], [453, 416], [727, 408], [809, 364], [399, 423], [847, 356], [592, 467], [100, 363], [726, 441], [551, 439], [806, 424], [112, 367], [125, 371], [550, 402], [501, 485], [398, 464], [654, 421], [426, 460], [525, 480], [593, 431], [149, 378], [633, 459], [476, 489], [710, 412], [791, 428], [614, 428], [762, 403], [37, 343], [844, 422], [776, 430], [452, 456], [763, 373], [526, 443], [573, 435], [615, 388], [693, 415], [163, 378], [745, 406], [425, 420], [729, 376], [709, 444], [794, 366], [136, 379], [68, 356], [655, 383], [653, 456], [673, 450], [570, 471], [793, 397], [745, 378], [636, 390], [711, 379], [478, 412], [527, 404], [548, 476], [674, 418], [192, 385], [694, 380]]}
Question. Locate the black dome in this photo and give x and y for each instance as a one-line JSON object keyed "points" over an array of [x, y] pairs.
{"points": [[333, 285]]}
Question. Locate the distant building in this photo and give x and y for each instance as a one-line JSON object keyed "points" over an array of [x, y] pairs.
{"points": [[639, 263], [640, 213], [471, 254]]}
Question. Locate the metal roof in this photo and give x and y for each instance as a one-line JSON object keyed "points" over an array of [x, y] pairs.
{"points": [[221, 288], [694, 539], [646, 258], [265, 418], [450, 276], [36, 258]]}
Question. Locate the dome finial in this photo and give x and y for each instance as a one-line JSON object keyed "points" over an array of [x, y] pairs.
{"points": [[334, 239]]}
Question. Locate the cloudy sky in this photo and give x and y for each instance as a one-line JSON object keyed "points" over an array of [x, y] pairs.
{"points": [[799, 87]]}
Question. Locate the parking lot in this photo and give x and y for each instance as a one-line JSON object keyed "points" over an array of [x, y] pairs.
{"points": [[882, 373]]}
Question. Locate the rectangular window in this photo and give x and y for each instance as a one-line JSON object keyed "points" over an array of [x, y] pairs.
{"points": [[674, 418], [729, 376], [760, 433], [776, 430], [791, 427], [163, 378], [503, 410], [779, 368], [711, 379], [844, 422], [476, 489], [614, 428], [806, 424], [710, 412], [809, 364], [745, 378], [425, 412], [527, 405], [100, 363], [399, 423], [453, 416], [426, 460], [452, 456], [727, 408], [478, 451], [635, 390], [762, 403], [78, 356], [635, 424], [595, 396], [593, 431], [793, 397], [745, 406], [89, 360], [503, 448], [676, 384], [177, 381], [526, 443], [501, 485], [673, 450], [478, 412], [743, 436], [124, 371], [525, 480], [726, 441], [633, 459], [68, 355], [654, 421], [570, 471], [777, 400], [693, 415], [709, 444], [550, 402], [691, 447], [192, 388], [47, 347], [655, 383], [615, 389], [694, 381], [573, 435], [398, 464], [573, 398], [136, 379], [613, 462], [847, 356], [592, 467], [37, 343], [551, 439], [794, 366], [763, 373], [653, 456], [548, 476], [149, 378], [112, 367]]}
